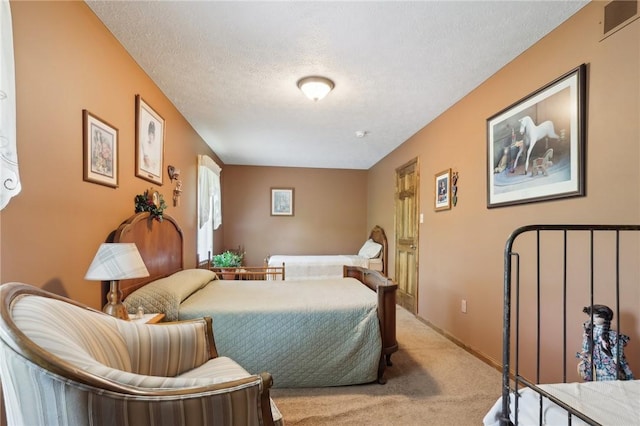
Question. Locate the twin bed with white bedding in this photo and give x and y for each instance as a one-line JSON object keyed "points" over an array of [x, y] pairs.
{"points": [[605, 403], [328, 332], [321, 267], [372, 255], [553, 273]]}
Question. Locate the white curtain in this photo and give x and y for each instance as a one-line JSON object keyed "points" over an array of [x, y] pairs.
{"points": [[9, 176], [209, 189]]}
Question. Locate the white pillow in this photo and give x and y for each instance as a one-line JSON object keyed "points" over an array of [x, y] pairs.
{"points": [[370, 249]]}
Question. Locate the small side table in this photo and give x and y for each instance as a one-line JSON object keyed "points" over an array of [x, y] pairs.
{"points": [[148, 318]]}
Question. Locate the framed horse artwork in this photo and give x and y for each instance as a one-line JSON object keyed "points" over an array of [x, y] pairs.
{"points": [[535, 147]]}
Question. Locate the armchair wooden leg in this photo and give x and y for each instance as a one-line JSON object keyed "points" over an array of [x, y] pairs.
{"points": [[265, 399]]}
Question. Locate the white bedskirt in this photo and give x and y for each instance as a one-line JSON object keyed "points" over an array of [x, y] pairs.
{"points": [[319, 267], [607, 402]]}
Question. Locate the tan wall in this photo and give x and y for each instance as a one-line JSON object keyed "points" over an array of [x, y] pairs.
{"points": [[461, 250], [67, 61], [330, 211]]}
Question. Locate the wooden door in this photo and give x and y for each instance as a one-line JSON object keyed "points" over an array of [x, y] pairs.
{"points": [[406, 272]]}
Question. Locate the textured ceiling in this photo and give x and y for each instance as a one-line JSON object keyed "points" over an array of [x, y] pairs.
{"points": [[231, 68]]}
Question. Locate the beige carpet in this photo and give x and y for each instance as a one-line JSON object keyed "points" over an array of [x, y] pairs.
{"points": [[432, 382]]}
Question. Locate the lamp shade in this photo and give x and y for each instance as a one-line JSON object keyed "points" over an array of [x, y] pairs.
{"points": [[116, 261], [315, 88]]}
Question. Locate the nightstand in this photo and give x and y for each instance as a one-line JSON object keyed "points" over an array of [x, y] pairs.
{"points": [[147, 318]]}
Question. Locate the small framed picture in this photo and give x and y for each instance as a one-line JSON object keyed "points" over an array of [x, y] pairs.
{"points": [[281, 201], [100, 149], [443, 190], [149, 142]]}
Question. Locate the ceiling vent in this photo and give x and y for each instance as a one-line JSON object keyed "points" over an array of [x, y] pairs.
{"points": [[618, 14]]}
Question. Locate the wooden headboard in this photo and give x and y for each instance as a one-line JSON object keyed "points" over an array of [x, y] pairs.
{"points": [[378, 235], [160, 244]]}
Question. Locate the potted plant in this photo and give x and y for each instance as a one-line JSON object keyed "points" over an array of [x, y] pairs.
{"points": [[228, 261]]}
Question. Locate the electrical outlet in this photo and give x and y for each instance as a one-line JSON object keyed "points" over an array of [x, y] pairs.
{"points": [[463, 306]]}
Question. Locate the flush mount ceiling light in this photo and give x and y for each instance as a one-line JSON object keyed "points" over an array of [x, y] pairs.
{"points": [[315, 88]]}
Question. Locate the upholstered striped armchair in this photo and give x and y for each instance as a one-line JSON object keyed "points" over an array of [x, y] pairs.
{"points": [[63, 363]]}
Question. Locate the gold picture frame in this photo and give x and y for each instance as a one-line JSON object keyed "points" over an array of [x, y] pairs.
{"points": [[100, 150], [442, 199], [150, 128], [282, 201]]}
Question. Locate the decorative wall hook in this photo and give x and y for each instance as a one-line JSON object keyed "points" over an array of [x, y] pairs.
{"points": [[454, 188], [174, 175]]}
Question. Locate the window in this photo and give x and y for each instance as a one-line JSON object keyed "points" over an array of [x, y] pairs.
{"points": [[209, 205]]}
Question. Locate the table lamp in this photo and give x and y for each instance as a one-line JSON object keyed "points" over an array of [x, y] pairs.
{"points": [[114, 262]]}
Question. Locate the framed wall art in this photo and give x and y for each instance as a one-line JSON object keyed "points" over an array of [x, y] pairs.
{"points": [[149, 142], [281, 201], [443, 190], [100, 150], [535, 147]]}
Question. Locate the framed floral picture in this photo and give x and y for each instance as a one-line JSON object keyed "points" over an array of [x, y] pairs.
{"points": [[100, 150], [281, 201], [443, 190], [149, 142]]}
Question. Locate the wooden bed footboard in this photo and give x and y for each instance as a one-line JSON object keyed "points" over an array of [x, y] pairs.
{"points": [[386, 290], [251, 273]]}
